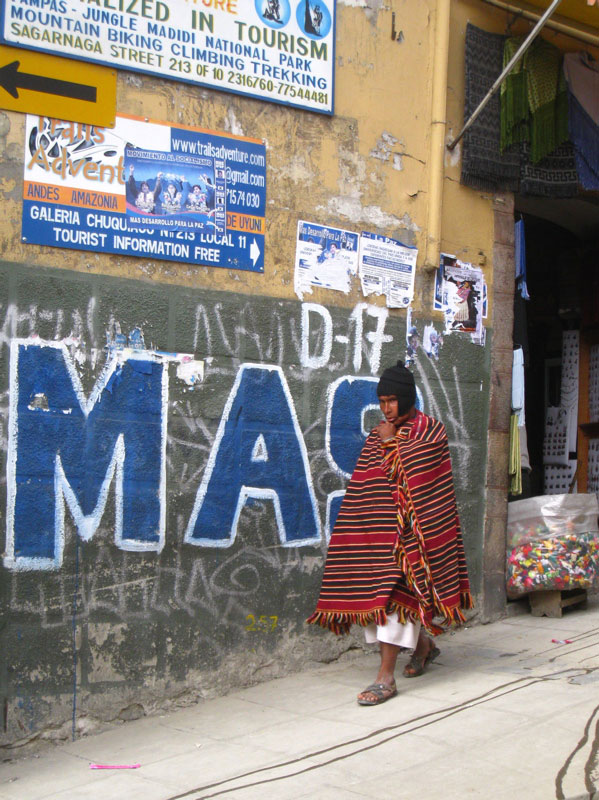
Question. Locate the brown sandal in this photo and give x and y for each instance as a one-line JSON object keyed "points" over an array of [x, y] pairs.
{"points": [[417, 664], [381, 692]]}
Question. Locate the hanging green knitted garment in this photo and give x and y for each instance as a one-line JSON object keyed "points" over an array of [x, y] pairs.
{"points": [[534, 102], [513, 100], [547, 98]]}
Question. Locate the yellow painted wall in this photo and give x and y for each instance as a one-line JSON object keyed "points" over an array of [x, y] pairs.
{"points": [[366, 168]]}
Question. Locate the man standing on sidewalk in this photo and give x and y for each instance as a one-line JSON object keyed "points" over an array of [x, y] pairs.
{"points": [[396, 558]]}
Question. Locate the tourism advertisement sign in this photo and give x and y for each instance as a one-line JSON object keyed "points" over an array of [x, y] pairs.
{"points": [[145, 188], [277, 50]]}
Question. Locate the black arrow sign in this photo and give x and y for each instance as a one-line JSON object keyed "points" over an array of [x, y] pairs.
{"points": [[12, 80]]}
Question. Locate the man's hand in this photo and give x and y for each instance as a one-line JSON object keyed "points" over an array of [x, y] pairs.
{"points": [[385, 430]]}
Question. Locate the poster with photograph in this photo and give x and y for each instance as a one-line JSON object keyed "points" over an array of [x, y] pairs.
{"points": [[460, 295], [145, 188], [325, 257]]}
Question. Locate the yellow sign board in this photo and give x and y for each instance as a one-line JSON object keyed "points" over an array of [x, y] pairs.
{"points": [[36, 83]]}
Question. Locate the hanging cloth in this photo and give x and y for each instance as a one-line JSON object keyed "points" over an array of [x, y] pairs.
{"points": [[520, 258], [514, 103], [585, 136], [483, 165], [546, 90], [518, 384], [582, 76], [581, 71], [515, 468], [555, 175], [534, 105]]}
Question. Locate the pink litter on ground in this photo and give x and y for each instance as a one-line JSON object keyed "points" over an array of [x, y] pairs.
{"points": [[114, 766], [562, 641]]}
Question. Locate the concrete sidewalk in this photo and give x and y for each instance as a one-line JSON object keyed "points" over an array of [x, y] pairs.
{"points": [[503, 713]]}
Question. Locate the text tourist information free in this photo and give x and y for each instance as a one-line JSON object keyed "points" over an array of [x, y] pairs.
{"points": [[145, 188], [274, 50]]}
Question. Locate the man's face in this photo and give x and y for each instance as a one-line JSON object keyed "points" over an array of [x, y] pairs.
{"points": [[389, 406], [145, 187]]}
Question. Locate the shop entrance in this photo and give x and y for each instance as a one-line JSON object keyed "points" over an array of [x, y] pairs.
{"points": [[558, 329]]}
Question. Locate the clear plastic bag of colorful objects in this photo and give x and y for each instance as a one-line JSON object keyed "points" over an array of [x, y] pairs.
{"points": [[552, 543]]}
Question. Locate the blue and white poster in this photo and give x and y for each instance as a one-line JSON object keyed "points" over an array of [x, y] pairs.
{"points": [[324, 257], [274, 50], [146, 189], [387, 267]]}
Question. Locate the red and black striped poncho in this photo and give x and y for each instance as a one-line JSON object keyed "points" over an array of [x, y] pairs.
{"points": [[397, 542]]}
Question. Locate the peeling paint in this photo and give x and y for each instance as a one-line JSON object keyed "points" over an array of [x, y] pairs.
{"points": [[295, 169], [39, 403], [102, 631], [384, 146], [353, 172], [232, 124], [4, 124], [374, 216], [452, 157]]}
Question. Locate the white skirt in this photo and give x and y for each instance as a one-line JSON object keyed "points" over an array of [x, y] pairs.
{"points": [[394, 632]]}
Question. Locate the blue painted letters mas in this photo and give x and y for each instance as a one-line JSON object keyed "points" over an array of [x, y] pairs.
{"points": [[66, 449]]}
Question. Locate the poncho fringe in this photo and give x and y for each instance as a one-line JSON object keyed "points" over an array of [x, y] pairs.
{"points": [[340, 623]]}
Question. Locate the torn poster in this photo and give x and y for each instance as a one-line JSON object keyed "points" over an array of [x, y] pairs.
{"points": [[459, 293], [325, 257], [445, 260], [412, 340], [432, 341], [387, 267], [190, 371]]}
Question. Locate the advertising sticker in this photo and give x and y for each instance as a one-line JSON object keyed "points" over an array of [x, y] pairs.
{"points": [[145, 188]]}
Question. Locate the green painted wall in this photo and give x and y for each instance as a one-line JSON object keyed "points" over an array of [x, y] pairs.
{"points": [[108, 627]]}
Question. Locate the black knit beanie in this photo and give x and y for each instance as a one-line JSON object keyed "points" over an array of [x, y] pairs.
{"points": [[399, 382]]}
